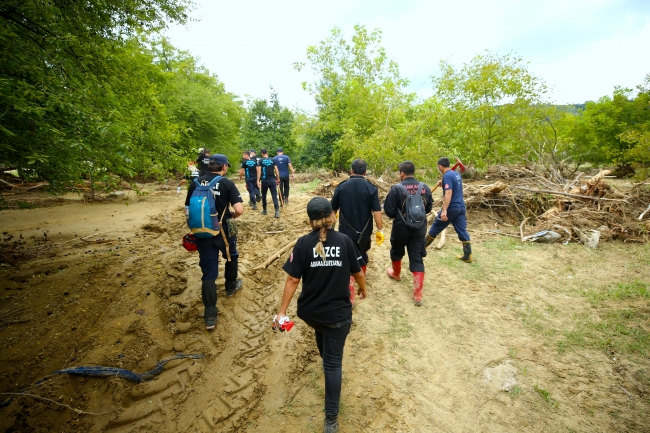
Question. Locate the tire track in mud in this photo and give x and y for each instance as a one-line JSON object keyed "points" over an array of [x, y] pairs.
{"points": [[222, 391]]}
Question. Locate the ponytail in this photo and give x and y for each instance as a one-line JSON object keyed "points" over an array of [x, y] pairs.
{"points": [[323, 224]]}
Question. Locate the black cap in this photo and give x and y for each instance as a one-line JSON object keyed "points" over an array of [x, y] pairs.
{"points": [[318, 208], [280, 149], [219, 159], [252, 150]]}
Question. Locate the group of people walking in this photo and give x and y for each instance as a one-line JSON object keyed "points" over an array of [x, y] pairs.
{"points": [[329, 262], [266, 174]]}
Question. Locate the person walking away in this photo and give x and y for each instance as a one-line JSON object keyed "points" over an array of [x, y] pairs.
{"points": [[267, 175], [257, 160], [226, 195], [202, 162], [283, 162], [404, 235], [357, 202], [453, 209], [249, 171], [324, 259]]}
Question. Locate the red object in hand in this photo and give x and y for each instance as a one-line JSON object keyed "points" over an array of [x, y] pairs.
{"points": [[284, 324]]}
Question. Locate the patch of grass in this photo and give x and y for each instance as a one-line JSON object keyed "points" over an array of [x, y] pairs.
{"points": [[620, 292], [515, 391], [546, 395], [618, 330], [533, 319], [307, 187], [399, 327], [25, 205], [315, 385]]}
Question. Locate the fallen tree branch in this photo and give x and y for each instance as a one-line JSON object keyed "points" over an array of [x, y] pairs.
{"points": [[566, 194], [644, 212], [521, 228], [276, 255]]}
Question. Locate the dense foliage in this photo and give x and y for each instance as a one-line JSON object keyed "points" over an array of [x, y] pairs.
{"points": [[492, 110], [267, 124], [85, 93]]}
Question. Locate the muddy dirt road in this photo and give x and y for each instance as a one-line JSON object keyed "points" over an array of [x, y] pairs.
{"points": [[528, 338]]}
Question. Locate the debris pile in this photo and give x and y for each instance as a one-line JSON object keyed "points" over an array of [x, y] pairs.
{"points": [[583, 209]]}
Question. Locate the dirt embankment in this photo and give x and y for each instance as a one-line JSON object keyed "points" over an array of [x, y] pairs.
{"points": [[499, 345]]}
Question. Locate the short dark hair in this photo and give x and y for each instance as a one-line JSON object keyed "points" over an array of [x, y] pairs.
{"points": [[247, 153], [407, 167], [444, 162], [359, 166], [206, 151], [264, 151], [214, 167]]}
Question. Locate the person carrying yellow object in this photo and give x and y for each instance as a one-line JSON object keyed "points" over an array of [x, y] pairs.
{"points": [[357, 202]]}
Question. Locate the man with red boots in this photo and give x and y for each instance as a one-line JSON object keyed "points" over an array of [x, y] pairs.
{"points": [[357, 202], [405, 232]]}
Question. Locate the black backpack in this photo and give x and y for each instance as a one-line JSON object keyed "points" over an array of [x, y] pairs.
{"points": [[412, 212]]}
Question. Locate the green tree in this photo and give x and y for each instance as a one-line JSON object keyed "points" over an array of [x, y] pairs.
{"points": [[76, 99], [360, 100], [267, 124], [494, 108]]}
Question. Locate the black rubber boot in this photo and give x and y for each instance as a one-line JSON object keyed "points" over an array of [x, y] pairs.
{"points": [[233, 285], [467, 252], [429, 240], [254, 206], [209, 296], [277, 213], [331, 424]]}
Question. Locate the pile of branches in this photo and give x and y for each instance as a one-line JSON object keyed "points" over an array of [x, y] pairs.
{"points": [[570, 208]]}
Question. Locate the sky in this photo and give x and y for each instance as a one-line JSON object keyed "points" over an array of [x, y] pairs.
{"points": [[582, 49]]}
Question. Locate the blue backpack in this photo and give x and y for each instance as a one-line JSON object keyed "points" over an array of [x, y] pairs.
{"points": [[203, 218]]}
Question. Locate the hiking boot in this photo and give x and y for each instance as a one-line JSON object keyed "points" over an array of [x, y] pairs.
{"points": [[428, 240], [210, 323], [254, 206], [286, 200], [233, 287], [264, 211], [467, 252], [397, 269], [418, 283], [277, 213], [258, 197], [331, 424]]}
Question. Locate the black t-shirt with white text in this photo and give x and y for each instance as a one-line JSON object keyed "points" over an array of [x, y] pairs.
{"points": [[325, 296], [268, 171], [250, 168]]}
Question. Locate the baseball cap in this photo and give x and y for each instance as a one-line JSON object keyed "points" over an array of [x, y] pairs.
{"points": [[252, 151], [318, 207], [280, 149], [219, 159]]}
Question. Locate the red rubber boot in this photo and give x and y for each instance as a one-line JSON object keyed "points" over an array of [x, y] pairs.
{"points": [[418, 282], [397, 269], [351, 287]]}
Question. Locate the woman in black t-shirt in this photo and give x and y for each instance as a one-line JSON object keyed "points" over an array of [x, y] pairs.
{"points": [[324, 259]]}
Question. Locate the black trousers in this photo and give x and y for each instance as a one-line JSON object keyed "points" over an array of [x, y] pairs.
{"points": [[284, 186], [269, 184], [402, 237]]}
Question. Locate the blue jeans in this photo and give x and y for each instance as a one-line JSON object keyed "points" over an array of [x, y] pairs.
{"points": [[457, 219], [330, 339]]}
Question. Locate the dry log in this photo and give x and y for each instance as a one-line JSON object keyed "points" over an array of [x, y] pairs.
{"points": [[494, 188], [276, 255], [566, 194], [644, 212], [443, 238], [521, 228]]}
